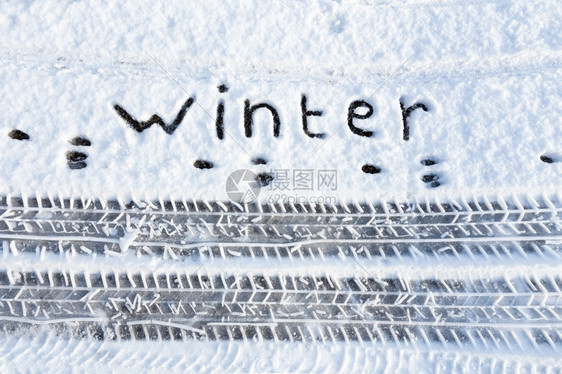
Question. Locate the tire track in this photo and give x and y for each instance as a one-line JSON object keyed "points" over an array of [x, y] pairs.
{"points": [[496, 286]]}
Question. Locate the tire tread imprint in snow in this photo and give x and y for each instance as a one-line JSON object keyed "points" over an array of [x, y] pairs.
{"points": [[494, 310]]}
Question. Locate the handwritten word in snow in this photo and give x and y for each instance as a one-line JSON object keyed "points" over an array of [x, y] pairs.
{"points": [[358, 110]]}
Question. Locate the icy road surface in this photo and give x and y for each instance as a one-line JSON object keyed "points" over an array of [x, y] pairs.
{"points": [[458, 277]]}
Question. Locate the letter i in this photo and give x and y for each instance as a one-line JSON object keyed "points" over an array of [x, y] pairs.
{"points": [[220, 113]]}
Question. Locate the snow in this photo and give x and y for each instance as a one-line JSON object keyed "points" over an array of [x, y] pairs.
{"points": [[252, 357], [489, 73]]}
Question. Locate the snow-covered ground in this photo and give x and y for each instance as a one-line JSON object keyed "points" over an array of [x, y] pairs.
{"points": [[331, 102], [42, 351], [487, 71]]}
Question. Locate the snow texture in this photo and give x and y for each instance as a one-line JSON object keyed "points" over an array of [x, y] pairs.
{"points": [[402, 100], [253, 357], [487, 71]]}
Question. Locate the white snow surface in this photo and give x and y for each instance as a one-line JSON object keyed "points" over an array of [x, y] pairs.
{"points": [[252, 357], [488, 72]]}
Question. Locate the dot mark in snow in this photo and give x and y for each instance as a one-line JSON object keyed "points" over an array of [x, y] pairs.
{"points": [[18, 135], [74, 156], [80, 141], [547, 159], [264, 179], [432, 180], [76, 159], [259, 161], [77, 165], [428, 162], [202, 164], [370, 169]]}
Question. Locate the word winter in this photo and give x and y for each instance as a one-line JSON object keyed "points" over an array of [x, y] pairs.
{"points": [[357, 110]]}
